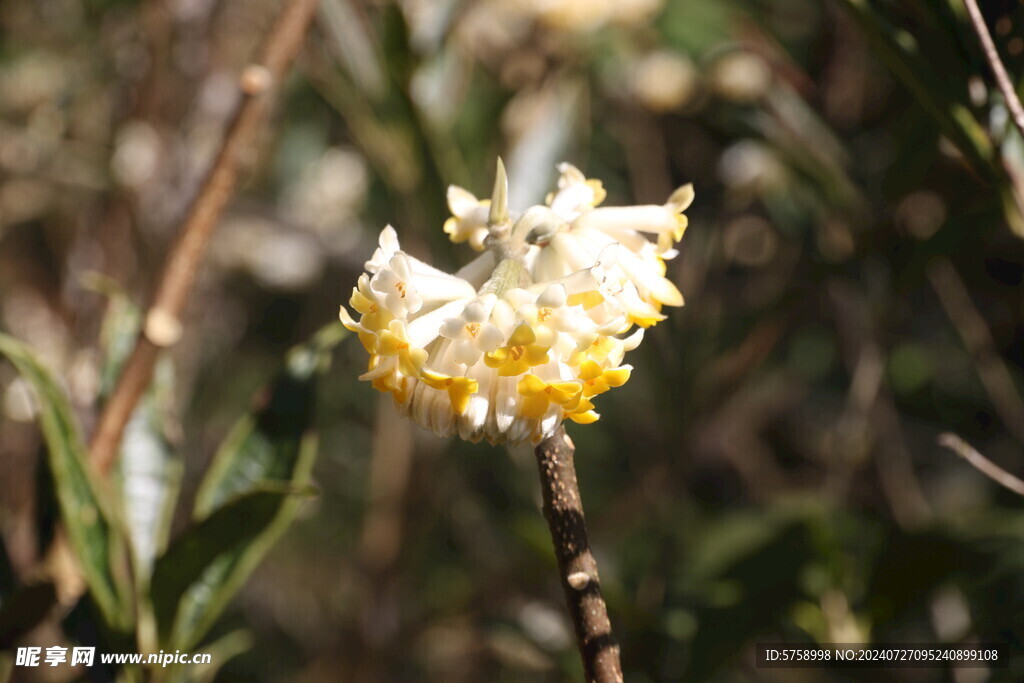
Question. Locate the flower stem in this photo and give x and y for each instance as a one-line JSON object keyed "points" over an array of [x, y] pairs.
{"points": [[563, 509], [507, 275]]}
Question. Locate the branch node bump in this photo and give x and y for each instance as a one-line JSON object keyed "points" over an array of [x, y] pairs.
{"points": [[256, 79], [578, 580], [162, 328]]}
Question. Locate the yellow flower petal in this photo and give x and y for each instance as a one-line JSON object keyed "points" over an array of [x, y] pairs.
{"points": [[616, 377], [586, 418], [534, 406], [522, 336], [530, 385], [460, 391], [535, 354], [586, 299]]}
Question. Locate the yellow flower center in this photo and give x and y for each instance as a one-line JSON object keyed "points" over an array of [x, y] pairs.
{"points": [[544, 314], [473, 329]]}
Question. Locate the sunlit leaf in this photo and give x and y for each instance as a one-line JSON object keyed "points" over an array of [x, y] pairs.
{"points": [[148, 469]]}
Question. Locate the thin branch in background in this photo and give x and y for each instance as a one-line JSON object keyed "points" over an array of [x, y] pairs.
{"points": [[992, 369], [871, 417], [996, 64], [163, 321], [563, 509], [981, 463]]}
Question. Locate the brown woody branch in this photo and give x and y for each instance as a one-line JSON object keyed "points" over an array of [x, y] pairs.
{"points": [[992, 369], [995, 63], [163, 320], [981, 463], [563, 510]]}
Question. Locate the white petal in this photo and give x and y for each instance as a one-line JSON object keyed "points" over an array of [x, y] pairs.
{"points": [[384, 281], [503, 316], [461, 201], [552, 297], [649, 218], [453, 328], [395, 303], [644, 275], [564, 320], [465, 352], [475, 312], [633, 340], [518, 297], [413, 301], [443, 288], [574, 251], [400, 265], [426, 328], [489, 338]]}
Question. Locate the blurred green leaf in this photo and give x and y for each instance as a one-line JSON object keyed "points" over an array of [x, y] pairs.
{"points": [[119, 329], [204, 568], [265, 447], [148, 468], [243, 504], [148, 471], [150, 474], [221, 651], [899, 50], [88, 515]]}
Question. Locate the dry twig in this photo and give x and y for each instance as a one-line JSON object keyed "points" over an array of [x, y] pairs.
{"points": [[163, 321], [996, 64], [563, 509], [970, 324], [981, 463]]}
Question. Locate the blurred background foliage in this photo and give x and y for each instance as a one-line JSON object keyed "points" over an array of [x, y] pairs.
{"points": [[852, 272]]}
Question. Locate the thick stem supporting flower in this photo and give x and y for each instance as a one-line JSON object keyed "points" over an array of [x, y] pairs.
{"points": [[507, 275], [563, 508]]}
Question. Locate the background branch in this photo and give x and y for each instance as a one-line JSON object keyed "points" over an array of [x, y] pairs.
{"points": [[981, 463], [163, 320], [563, 508], [996, 64], [993, 371]]}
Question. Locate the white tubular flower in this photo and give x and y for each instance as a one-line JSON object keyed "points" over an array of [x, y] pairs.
{"points": [[469, 217], [578, 230], [530, 332], [575, 194], [472, 333]]}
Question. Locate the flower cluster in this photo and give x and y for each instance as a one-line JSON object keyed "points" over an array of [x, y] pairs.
{"points": [[532, 330]]}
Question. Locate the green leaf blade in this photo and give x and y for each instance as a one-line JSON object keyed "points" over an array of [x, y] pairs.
{"points": [[92, 526]]}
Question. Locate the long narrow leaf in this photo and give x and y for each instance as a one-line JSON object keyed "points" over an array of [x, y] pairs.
{"points": [[92, 526], [240, 511], [149, 471], [899, 51], [204, 568]]}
